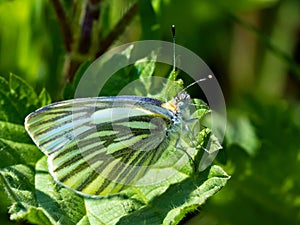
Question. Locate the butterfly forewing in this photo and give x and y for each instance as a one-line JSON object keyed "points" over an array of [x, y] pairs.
{"points": [[98, 146]]}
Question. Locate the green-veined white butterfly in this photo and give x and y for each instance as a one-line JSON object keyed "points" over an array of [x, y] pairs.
{"points": [[98, 146]]}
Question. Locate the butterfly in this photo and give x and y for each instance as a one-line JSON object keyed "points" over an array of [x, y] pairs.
{"points": [[98, 146]]}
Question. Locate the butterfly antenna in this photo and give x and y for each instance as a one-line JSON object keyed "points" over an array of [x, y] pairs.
{"points": [[174, 47], [195, 82]]}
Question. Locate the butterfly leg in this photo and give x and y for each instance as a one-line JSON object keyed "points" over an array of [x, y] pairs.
{"points": [[192, 136], [177, 146]]}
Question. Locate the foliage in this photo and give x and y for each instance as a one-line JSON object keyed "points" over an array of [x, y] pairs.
{"points": [[251, 45], [265, 181], [34, 196]]}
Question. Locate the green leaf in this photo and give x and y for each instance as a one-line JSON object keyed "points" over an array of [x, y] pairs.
{"points": [[215, 180], [142, 206], [240, 131], [17, 152], [59, 204], [145, 68], [18, 182], [180, 199], [18, 100], [44, 98], [121, 78]]}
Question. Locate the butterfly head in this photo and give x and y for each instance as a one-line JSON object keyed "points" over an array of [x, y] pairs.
{"points": [[182, 101], [179, 103]]}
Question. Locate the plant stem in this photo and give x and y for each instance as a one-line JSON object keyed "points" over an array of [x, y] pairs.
{"points": [[64, 25], [92, 13], [94, 2], [118, 29]]}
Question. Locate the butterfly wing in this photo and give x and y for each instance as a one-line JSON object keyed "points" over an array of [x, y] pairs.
{"points": [[99, 146]]}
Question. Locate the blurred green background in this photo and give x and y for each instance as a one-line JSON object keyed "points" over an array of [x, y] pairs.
{"points": [[253, 48]]}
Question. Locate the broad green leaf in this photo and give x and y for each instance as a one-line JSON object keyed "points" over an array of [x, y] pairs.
{"points": [[18, 100], [18, 182], [165, 207], [17, 152], [241, 132], [59, 204]]}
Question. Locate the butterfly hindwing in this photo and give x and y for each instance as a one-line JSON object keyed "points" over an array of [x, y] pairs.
{"points": [[98, 146]]}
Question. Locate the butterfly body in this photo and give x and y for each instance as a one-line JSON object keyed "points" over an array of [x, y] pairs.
{"points": [[100, 145]]}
